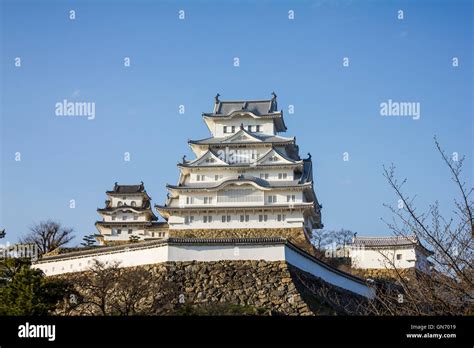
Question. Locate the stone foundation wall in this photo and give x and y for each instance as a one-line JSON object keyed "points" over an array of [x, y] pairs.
{"points": [[382, 273], [274, 288], [294, 235]]}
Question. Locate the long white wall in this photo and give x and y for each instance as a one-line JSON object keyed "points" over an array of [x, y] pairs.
{"points": [[381, 259], [329, 275], [158, 253]]}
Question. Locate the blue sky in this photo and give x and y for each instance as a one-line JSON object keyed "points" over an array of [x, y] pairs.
{"points": [[174, 62]]}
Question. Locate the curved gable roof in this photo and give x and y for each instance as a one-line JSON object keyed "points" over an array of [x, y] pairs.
{"points": [[208, 154]]}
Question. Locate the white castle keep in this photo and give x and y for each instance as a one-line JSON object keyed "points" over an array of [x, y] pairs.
{"points": [[245, 175]]}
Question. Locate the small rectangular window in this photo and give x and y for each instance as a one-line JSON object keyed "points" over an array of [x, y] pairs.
{"points": [[130, 231], [257, 128], [272, 199], [399, 256], [119, 231], [223, 218], [113, 217], [124, 217], [135, 217], [233, 129], [249, 128], [242, 218], [204, 219], [247, 218], [225, 129], [216, 177], [228, 218]]}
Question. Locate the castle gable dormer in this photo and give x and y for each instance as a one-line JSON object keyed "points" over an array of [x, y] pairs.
{"points": [[207, 159], [242, 136], [273, 156]]}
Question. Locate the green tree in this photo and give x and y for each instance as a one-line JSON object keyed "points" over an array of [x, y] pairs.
{"points": [[89, 240], [134, 239], [26, 291]]}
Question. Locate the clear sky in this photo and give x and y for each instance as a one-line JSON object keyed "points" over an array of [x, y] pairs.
{"points": [[186, 62]]}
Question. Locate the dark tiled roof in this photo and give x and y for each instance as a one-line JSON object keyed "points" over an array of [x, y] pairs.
{"points": [[307, 175], [385, 242], [303, 205], [145, 206], [278, 240], [119, 223], [128, 188], [257, 107], [241, 178], [264, 138], [261, 108], [159, 224]]}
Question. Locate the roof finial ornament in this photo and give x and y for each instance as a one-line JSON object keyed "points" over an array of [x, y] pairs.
{"points": [[309, 155], [216, 98], [184, 159], [241, 126], [274, 96], [116, 186]]}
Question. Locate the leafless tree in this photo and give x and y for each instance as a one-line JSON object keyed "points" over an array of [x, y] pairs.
{"points": [[48, 235], [448, 288], [95, 288], [108, 289], [342, 237], [320, 238]]}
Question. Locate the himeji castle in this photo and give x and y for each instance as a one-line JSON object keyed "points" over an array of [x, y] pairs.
{"points": [[246, 179], [247, 196]]}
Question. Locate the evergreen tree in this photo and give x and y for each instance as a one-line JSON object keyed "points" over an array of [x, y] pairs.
{"points": [[134, 239], [26, 291], [89, 240]]}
